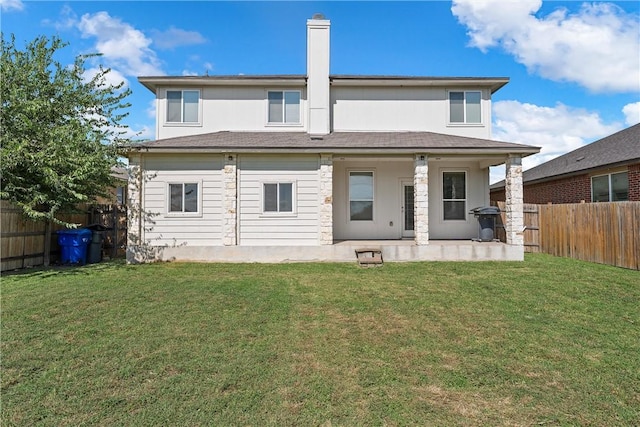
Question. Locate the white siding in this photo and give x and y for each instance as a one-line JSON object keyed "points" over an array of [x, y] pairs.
{"points": [[298, 228], [231, 108], [402, 109], [162, 229]]}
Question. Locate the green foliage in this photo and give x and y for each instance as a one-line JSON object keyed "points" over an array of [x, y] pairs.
{"points": [[61, 129]]}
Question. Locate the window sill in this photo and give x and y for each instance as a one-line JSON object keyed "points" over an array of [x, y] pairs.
{"points": [[466, 125], [183, 215], [284, 125], [278, 215], [179, 124]]}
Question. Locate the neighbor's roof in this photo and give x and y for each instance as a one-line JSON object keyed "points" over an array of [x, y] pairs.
{"points": [[614, 150], [337, 142], [153, 82]]}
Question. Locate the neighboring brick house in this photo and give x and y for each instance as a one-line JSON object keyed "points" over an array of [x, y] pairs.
{"points": [[603, 171]]}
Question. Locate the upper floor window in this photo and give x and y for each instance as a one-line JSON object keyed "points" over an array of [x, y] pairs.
{"points": [[183, 106], [284, 107], [610, 188], [454, 195], [464, 107], [278, 197]]}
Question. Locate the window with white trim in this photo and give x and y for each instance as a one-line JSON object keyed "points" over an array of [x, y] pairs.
{"points": [[361, 196], [183, 106], [284, 107], [464, 107], [613, 187], [454, 195], [183, 198], [278, 197]]}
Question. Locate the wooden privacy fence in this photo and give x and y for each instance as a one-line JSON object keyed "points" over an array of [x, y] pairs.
{"points": [[23, 241], [531, 231], [606, 233]]}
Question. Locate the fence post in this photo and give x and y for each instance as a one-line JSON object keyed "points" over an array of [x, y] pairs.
{"points": [[46, 257]]}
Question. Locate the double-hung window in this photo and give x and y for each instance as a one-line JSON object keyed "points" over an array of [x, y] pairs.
{"points": [[454, 195], [284, 107], [183, 198], [361, 196], [610, 188], [464, 107], [278, 197], [183, 106]]}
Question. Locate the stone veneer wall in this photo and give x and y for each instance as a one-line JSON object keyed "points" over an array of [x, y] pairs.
{"points": [[421, 199], [230, 208], [326, 199], [514, 204]]}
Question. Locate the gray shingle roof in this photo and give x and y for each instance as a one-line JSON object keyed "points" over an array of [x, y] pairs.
{"points": [[620, 148], [153, 82], [383, 142]]}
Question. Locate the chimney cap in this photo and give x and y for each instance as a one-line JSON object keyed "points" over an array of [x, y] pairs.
{"points": [[318, 16]]}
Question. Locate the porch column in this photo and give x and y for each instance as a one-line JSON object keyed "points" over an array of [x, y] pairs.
{"points": [[326, 199], [421, 199], [230, 200], [135, 227], [514, 204]]}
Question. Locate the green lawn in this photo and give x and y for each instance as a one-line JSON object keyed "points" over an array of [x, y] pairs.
{"points": [[548, 341]]}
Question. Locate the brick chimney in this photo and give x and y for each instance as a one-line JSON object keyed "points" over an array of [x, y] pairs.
{"points": [[318, 75]]}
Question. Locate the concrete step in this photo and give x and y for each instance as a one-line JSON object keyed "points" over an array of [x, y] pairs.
{"points": [[368, 257]]}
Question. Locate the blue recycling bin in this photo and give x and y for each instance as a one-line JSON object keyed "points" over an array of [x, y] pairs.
{"points": [[73, 245]]}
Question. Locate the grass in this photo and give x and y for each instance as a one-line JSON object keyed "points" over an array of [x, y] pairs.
{"points": [[549, 341]]}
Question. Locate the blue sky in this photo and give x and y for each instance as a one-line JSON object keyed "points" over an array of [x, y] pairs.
{"points": [[574, 66]]}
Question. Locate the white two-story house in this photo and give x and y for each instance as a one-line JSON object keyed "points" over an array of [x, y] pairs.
{"points": [[310, 167]]}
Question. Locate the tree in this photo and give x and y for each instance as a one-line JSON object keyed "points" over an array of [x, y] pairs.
{"points": [[60, 129]]}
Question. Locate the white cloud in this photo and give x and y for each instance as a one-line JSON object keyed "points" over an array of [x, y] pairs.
{"points": [[112, 78], [121, 44], [557, 130], [66, 21], [632, 113], [10, 5], [151, 109], [175, 37], [597, 47], [140, 132]]}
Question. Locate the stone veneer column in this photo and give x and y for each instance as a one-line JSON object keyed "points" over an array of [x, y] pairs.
{"points": [[514, 204], [326, 199], [421, 199], [230, 200], [134, 209]]}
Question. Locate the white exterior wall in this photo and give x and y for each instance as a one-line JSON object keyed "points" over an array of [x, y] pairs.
{"points": [[302, 227], [164, 229], [230, 108], [387, 212], [477, 186], [415, 109], [388, 176]]}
